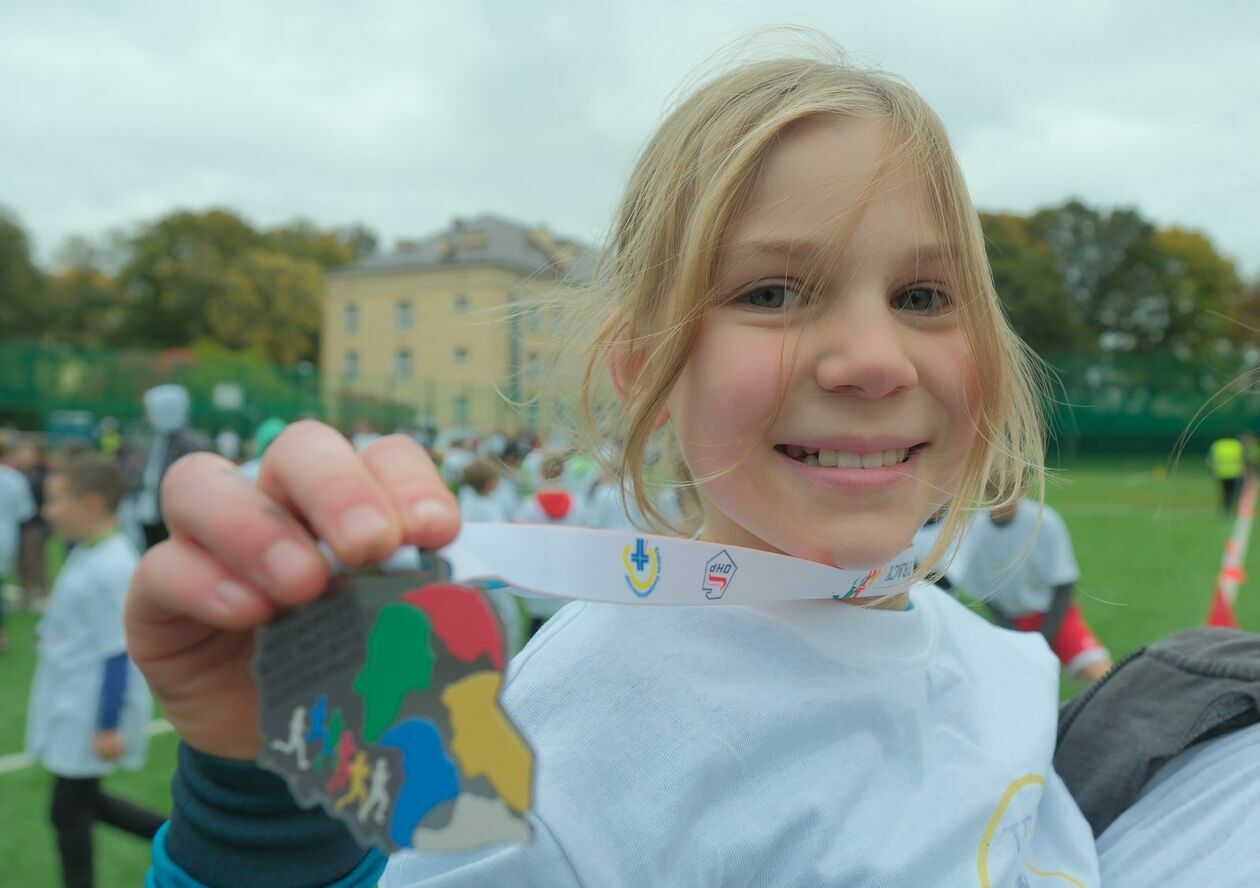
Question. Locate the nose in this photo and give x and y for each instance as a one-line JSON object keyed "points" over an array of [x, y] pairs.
{"points": [[862, 349]]}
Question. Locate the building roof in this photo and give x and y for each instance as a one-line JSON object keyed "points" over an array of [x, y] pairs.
{"points": [[486, 240]]}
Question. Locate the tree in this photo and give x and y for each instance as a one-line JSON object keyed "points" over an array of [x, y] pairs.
{"points": [[1031, 289], [301, 239], [23, 312], [361, 239], [1204, 288], [176, 265], [1136, 288], [191, 275], [88, 305], [268, 301]]}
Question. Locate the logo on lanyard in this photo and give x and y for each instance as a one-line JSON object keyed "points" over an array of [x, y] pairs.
{"points": [[718, 574], [859, 586], [643, 567]]}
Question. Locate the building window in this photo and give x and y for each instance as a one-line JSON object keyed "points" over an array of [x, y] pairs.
{"points": [[461, 355], [460, 409], [402, 363], [350, 317], [461, 304], [350, 369], [403, 315]]}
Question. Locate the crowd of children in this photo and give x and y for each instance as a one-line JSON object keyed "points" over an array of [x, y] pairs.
{"points": [[792, 206], [797, 288]]}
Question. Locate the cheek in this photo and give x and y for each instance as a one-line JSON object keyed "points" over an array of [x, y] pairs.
{"points": [[963, 396], [958, 389], [725, 397]]}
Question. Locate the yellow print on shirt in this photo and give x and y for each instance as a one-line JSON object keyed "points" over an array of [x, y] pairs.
{"points": [[991, 831]]}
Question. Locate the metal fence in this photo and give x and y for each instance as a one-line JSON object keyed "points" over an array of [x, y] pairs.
{"points": [[1101, 405]]}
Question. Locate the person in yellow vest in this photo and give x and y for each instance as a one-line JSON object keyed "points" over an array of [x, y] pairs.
{"points": [[111, 440], [1225, 459]]}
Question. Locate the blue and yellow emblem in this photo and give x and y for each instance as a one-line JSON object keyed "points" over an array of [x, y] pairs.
{"points": [[643, 567]]}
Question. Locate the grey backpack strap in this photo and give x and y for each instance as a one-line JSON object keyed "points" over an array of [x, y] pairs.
{"points": [[1160, 700]]}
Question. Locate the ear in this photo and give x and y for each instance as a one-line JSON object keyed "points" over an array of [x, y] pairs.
{"points": [[624, 366]]}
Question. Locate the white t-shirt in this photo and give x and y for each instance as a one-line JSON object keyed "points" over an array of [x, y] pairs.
{"points": [[811, 743], [531, 511], [604, 508], [1196, 822], [16, 507], [82, 627], [455, 461], [475, 507], [1017, 565]]}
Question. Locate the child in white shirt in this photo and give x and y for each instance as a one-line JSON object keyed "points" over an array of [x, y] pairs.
{"points": [[89, 706]]}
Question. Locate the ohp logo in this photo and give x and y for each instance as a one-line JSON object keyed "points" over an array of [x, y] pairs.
{"points": [[718, 574]]}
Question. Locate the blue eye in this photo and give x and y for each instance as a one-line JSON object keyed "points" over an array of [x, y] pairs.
{"points": [[769, 297], [922, 299]]}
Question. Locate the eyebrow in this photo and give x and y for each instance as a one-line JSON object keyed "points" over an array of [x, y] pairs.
{"points": [[925, 252]]}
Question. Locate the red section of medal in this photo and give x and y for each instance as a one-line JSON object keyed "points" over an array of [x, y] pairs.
{"points": [[463, 619]]}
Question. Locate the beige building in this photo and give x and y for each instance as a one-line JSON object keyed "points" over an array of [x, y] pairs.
{"points": [[457, 323]]}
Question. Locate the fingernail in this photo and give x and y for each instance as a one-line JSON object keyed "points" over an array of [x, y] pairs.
{"points": [[233, 594], [362, 525], [429, 512], [287, 562]]}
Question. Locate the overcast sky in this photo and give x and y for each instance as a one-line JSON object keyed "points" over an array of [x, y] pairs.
{"points": [[403, 115]]}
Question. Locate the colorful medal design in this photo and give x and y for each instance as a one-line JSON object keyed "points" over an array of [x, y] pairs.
{"points": [[380, 702]]}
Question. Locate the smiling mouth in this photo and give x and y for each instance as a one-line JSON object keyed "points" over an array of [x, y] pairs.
{"points": [[844, 459]]}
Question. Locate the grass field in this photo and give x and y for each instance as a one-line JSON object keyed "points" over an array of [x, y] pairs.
{"points": [[1149, 550]]}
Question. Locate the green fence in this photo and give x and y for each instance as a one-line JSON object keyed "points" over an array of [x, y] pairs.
{"points": [[1102, 405], [1148, 405]]}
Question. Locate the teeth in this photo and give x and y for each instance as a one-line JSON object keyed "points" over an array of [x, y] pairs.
{"points": [[845, 460]]}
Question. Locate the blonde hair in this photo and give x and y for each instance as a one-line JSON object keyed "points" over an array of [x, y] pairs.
{"points": [[656, 279]]}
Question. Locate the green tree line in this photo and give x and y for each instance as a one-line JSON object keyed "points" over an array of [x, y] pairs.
{"points": [[185, 278], [1073, 279]]}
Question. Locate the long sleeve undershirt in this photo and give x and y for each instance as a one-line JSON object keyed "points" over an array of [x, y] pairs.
{"points": [[113, 692], [232, 823]]}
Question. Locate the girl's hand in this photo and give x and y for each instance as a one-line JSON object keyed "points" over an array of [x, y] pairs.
{"points": [[238, 553]]}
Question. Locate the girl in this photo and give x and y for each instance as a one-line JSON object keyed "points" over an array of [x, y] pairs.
{"points": [[797, 291]]}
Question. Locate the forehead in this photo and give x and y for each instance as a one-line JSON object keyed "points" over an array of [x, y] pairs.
{"points": [[818, 189]]}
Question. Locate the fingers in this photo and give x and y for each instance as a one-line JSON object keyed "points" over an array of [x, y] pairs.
{"points": [[312, 471], [177, 579], [229, 524], [427, 509], [312, 482]]}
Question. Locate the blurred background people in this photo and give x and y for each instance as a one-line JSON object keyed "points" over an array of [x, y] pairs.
{"points": [[167, 409]]}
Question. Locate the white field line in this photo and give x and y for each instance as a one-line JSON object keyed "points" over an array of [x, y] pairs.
{"points": [[19, 760]]}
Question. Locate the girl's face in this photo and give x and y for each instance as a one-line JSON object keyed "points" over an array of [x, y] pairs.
{"points": [[833, 435]]}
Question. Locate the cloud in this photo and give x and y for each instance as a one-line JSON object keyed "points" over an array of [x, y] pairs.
{"points": [[402, 115]]}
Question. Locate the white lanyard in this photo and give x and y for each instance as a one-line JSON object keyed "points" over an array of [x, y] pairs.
{"points": [[558, 561]]}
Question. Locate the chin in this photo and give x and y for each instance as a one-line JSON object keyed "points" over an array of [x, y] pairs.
{"points": [[861, 550]]}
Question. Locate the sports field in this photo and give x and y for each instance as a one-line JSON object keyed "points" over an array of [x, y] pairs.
{"points": [[1149, 550]]}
